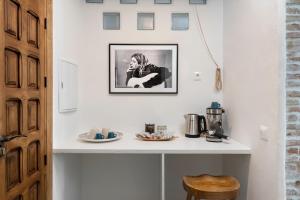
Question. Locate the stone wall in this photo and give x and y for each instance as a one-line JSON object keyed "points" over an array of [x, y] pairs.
{"points": [[293, 100]]}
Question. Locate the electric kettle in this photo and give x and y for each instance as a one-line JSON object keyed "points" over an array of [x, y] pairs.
{"points": [[195, 125]]}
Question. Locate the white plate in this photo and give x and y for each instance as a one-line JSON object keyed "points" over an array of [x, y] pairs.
{"points": [[85, 137]]}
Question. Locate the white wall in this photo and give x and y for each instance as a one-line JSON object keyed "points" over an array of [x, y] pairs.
{"points": [[80, 38], [67, 177], [251, 76], [253, 89], [252, 81], [67, 44], [66, 34]]}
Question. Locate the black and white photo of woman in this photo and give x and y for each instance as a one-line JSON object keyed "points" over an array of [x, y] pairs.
{"points": [[142, 74]]}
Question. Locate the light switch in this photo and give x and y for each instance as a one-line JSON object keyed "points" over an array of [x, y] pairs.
{"points": [[264, 133]]}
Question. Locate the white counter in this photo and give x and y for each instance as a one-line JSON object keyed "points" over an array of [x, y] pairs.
{"points": [[130, 145]]}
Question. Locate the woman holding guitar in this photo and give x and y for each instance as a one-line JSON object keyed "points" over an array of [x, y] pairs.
{"points": [[140, 74]]}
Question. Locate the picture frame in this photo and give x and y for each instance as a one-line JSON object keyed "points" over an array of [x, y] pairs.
{"points": [[143, 68]]}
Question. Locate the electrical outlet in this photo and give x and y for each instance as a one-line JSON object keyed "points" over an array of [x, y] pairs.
{"points": [[197, 76]]}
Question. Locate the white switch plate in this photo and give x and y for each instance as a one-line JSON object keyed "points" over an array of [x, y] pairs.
{"points": [[197, 76], [264, 133]]}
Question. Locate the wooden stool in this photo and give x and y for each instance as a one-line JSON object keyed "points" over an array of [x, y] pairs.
{"points": [[211, 187]]}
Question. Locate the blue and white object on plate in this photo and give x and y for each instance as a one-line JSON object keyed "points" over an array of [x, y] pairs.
{"points": [[90, 137]]}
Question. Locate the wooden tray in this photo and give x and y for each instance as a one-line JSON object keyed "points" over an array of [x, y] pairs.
{"points": [[154, 137]]}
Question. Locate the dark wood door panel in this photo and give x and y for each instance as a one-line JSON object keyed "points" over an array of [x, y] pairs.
{"points": [[33, 156], [19, 65], [12, 68], [33, 22], [13, 117], [23, 99], [19, 197], [33, 115], [12, 18], [34, 192], [13, 168], [33, 74]]}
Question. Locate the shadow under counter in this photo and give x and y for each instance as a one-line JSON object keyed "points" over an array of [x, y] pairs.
{"points": [[138, 176]]}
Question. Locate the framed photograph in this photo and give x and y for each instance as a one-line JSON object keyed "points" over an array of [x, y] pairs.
{"points": [[143, 68]]}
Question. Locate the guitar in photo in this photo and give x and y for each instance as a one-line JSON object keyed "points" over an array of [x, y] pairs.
{"points": [[139, 82], [141, 74]]}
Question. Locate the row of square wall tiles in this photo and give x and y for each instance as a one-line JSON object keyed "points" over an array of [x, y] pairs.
{"points": [[145, 21], [155, 1]]}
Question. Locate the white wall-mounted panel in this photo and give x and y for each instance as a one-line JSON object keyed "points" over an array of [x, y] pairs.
{"points": [[68, 86]]}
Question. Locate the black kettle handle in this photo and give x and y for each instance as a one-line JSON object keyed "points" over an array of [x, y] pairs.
{"points": [[202, 118]]}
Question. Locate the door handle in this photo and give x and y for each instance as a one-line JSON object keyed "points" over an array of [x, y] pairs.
{"points": [[9, 138], [4, 139]]}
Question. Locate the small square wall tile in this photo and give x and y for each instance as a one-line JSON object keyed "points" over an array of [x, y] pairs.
{"points": [[128, 1], [162, 1], [94, 1], [111, 21], [145, 21], [198, 1], [180, 21]]}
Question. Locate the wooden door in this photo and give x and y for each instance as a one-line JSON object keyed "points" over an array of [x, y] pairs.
{"points": [[23, 95]]}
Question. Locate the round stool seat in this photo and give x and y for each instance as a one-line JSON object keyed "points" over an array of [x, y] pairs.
{"points": [[211, 187]]}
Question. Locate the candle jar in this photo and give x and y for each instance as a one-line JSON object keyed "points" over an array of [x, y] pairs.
{"points": [[150, 128], [162, 129]]}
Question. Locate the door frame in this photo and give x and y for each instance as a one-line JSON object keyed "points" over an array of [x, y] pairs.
{"points": [[49, 96]]}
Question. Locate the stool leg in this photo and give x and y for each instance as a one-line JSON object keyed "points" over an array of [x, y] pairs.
{"points": [[189, 196], [197, 198]]}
